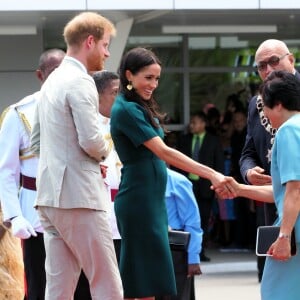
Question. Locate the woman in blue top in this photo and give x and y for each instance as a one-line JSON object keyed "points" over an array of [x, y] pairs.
{"points": [[145, 261], [281, 97]]}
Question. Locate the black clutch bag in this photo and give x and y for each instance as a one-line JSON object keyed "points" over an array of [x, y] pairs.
{"points": [[179, 240], [267, 235]]}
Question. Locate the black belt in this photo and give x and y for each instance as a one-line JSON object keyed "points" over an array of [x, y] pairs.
{"points": [[28, 182]]}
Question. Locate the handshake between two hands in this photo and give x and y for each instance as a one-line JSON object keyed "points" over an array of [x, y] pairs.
{"points": [[225, 186], [21, 228]]}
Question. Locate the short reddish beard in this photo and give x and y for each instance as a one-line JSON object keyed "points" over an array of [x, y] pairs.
{"points": [[95, 62]]}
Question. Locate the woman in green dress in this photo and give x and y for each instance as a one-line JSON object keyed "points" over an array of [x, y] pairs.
{"points": [[145, 263]]}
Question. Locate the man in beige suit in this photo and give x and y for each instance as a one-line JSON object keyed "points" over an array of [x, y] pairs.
{"points": [[72, 199]]}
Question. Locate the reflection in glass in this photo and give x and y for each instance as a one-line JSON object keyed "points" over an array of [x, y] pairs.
{"points": [[170, 96], [167, 48]]}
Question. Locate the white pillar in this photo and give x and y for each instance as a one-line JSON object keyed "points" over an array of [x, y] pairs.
{"points": [[118, 44]]}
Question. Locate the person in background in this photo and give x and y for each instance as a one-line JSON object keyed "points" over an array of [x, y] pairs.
{"points": [[213, 119], [226, 208], [171, 139], [245, 224], [255, 159], [183, 214], [233, 104], [145, 262], [72, 199], [108, 84], [280, 94], [205, 148], [19, 165]]}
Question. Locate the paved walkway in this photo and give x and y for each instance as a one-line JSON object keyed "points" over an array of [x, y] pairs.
{"points": [[229, 276]]}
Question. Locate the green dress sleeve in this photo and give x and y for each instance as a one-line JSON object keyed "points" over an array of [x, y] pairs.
{"points": [[135, 124]]}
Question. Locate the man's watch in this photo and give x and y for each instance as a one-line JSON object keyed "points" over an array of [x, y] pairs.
{"points": [[284, 236]]}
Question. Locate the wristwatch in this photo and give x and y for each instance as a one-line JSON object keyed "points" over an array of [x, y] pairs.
{"points": [[284, 235]]}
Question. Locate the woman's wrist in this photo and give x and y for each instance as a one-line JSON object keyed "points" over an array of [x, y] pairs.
{"points": [[283, 235], [212, 175]]}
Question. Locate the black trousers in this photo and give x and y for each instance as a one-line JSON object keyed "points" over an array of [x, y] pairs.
{"points": [[35, 277], [205, 205], [270, 213], [117, 246], [34, 265], [185, 285], [82, 291]]}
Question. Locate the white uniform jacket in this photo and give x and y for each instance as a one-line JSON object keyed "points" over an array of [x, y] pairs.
{"points": [[16, 158], [113, 174]]}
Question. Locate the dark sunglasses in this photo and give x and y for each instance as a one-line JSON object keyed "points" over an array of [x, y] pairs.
{"points": [[273, 61]]}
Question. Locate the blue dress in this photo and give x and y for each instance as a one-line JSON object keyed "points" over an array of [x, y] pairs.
{"points": [[146, 265], [226, 206], [281, 280]]}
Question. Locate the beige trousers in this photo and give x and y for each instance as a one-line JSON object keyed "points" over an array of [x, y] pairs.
{"points": [[75, 239]]}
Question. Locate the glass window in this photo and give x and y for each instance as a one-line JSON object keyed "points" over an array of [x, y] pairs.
{"points": [[214, 88], [167, 48], [217, 57], [220, 52], [170, 96]]}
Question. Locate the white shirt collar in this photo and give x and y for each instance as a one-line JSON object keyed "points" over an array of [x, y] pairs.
{"points": [[80, 64]]}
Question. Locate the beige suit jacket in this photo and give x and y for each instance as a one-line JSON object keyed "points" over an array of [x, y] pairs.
{"points": [[67, 137]]}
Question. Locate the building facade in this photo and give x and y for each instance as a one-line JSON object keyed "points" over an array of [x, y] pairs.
{"points": [[206, 47]]}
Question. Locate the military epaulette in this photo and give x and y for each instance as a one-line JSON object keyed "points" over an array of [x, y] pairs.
{"points": [[24, 121], [25, 153], [26, 100], [22, 102], [3, 114]]}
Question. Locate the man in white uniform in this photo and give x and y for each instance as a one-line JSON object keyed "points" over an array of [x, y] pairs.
{"points": [[107, 84]]}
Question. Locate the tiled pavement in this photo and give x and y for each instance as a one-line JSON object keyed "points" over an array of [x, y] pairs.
{"points": [[228, 276]]}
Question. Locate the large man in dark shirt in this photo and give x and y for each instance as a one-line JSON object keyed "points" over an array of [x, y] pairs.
{"points": [[256, 155]]}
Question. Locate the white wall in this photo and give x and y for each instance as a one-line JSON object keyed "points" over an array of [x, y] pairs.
{"points": [[130, 4], [279, 4], [18, 60], [19, 54], [216, 4], [16, 85], [75, 5], [35, 5]]}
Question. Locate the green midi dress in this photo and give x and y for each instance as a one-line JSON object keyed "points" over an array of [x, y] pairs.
{"points": [[145, 262]]}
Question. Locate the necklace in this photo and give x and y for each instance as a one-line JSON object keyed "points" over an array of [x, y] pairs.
{"points": [[266, 124]]}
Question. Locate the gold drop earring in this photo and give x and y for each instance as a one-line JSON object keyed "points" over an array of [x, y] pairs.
{"points": [[129, 86]]}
